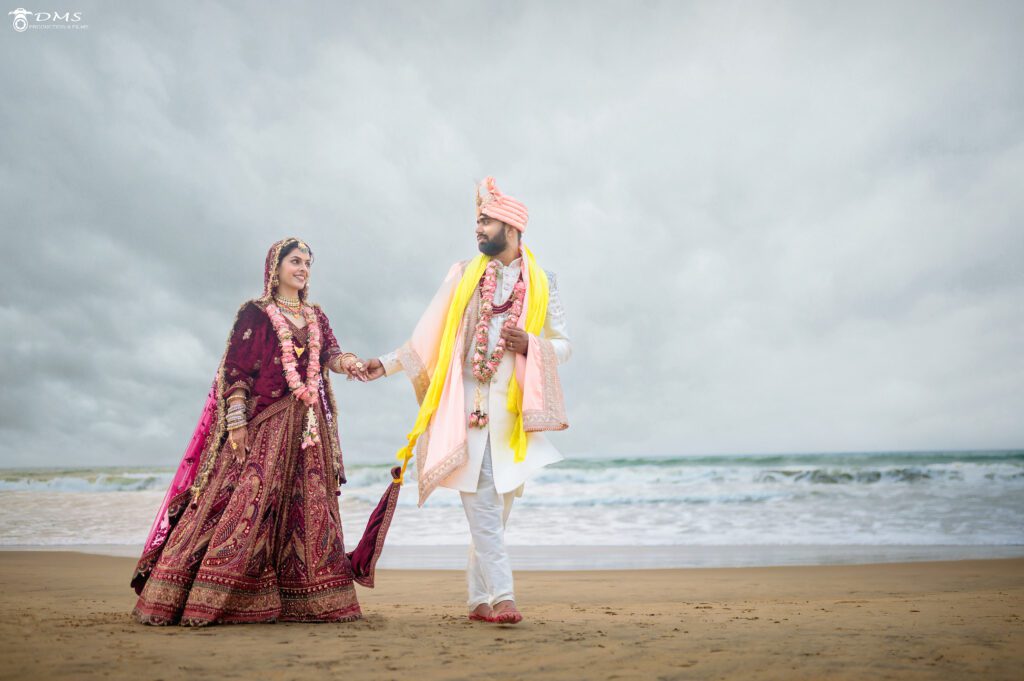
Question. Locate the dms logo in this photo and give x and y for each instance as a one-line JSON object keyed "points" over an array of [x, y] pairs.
{"points": [[22, 16]]}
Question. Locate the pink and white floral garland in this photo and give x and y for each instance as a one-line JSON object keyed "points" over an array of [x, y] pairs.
{"points": [[484, 366], [306, 392]]}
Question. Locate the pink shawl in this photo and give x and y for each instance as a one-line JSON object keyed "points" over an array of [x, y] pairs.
{"points": [[441, 450]]}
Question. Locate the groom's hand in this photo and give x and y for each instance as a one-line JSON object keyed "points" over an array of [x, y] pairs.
{"points": [[374, 369], [516, 340]]}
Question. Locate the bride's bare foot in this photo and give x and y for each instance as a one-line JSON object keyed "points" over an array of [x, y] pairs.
{"points": [[481, 613], [505, 612]]}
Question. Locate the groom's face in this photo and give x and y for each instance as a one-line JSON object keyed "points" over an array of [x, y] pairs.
{"points": [[491, 235]]}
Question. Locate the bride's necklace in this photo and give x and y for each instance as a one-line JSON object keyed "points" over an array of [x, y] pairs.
{"points": [[295, 315], [293, 305]]}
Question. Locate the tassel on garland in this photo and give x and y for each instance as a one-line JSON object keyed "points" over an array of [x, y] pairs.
{"points": [[311, 434]]}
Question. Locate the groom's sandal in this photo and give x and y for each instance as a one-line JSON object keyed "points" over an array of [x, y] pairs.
{"points": [[509, 615], [481, 614]]}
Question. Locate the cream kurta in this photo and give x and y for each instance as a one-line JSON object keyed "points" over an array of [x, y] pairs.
{"points": [[508, 475]]}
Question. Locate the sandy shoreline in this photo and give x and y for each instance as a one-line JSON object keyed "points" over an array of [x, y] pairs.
{"points": [[641, 557], [66, 616]]}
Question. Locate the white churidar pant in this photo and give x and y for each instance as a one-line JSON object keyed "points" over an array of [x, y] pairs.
{"points": [[489, 574]]}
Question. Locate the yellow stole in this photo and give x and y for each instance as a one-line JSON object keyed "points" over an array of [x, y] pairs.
{"points": [[536, 311]]}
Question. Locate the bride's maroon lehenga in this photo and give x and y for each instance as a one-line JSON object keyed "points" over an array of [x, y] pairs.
{"points": [[261, 540]]}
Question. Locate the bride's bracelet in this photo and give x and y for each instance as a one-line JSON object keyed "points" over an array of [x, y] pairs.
{"points": [[235, 417]]}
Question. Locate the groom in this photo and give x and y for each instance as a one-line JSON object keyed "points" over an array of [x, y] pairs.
{"points": [[483, 361]]}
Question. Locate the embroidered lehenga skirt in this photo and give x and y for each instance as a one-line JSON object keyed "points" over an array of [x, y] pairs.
{"points": [[263, 543]]}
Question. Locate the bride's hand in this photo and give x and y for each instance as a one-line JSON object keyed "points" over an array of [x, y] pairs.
{"points": [[355, 368], [238, 440]]}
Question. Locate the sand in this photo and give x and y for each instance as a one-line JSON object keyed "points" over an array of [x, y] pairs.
{"points": [[66, 615]]}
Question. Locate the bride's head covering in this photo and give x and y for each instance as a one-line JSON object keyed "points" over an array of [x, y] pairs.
{"points": [[274, 260]]}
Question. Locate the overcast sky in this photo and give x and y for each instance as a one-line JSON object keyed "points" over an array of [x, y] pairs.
{"points": [[777, 227]]}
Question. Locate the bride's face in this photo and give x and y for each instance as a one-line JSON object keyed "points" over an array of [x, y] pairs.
{"points": [[293, 272]]}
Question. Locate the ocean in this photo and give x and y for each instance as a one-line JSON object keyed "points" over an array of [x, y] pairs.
{"points": [[615, 513]]}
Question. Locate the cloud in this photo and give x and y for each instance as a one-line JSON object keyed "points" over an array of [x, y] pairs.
{"points": [[776, 227]]}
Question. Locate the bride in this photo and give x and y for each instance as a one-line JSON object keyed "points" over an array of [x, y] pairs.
{"points": [[250, 530]]}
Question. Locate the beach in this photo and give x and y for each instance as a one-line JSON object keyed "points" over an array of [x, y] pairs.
{"points": [[66, 615], [904, 565]]}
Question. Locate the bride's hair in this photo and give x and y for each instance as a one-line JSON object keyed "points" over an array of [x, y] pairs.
{"points": [[291, 247]]}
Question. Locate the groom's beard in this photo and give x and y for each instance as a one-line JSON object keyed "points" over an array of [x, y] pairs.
{"points": [[494, 246]]}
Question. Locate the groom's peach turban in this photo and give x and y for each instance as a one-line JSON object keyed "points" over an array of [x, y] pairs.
{"points": [[491, 202]]}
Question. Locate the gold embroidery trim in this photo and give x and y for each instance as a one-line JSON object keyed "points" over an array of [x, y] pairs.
{"points": [[552, 415], [429, 480], [415, 369]]}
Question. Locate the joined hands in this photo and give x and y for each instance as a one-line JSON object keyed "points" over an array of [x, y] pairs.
{"points": [[363, 370]]}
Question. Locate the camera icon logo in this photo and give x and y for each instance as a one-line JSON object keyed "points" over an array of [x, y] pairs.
{"points": [[20, 24]]}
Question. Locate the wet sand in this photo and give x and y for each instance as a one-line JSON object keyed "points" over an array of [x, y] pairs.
{"points": [[66, 615]]}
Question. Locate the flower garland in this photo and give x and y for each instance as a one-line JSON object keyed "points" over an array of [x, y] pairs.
{"points": [[484, 366], [306, 392]]}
